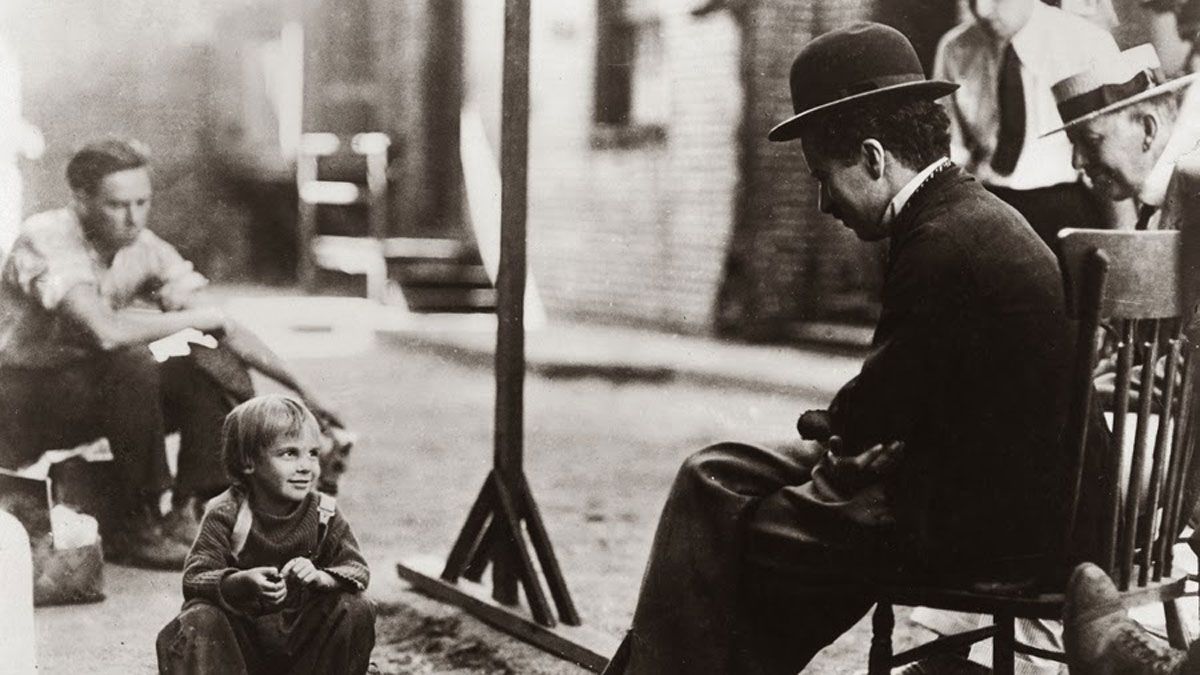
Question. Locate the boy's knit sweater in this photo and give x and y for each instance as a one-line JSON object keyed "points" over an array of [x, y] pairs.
{"points": [[272, 541]]}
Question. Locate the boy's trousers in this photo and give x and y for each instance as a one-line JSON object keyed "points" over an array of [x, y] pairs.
{"points": [[331, 632]]}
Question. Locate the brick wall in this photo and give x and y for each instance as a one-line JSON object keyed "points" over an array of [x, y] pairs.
{"points": [[711, 228], [789, 264], [627, 234]]}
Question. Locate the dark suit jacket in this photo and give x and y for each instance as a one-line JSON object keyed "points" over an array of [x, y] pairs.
{"points": [[968, 367]]}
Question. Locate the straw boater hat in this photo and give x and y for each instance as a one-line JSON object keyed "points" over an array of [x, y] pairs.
{"points": [[851, 64], [1112, 83]]}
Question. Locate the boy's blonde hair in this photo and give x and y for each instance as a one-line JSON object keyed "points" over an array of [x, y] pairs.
{"points": [[255, 424]]}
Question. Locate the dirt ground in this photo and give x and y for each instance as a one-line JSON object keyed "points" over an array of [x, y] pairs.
{"points": [[599, 456]]}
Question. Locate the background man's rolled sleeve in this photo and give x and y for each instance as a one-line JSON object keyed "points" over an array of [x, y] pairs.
{"points": [[47, 270]]}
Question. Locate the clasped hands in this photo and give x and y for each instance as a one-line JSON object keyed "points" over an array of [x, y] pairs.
{"points": [[265, 587], [849, 471]]}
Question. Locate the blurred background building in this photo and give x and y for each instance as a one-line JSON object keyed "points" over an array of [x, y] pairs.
{"points": [[654, 197]]}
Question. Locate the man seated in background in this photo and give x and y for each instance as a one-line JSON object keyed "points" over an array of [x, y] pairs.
{"points": [[85, 289]]}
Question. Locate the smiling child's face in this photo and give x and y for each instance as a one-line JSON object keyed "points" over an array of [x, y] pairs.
{"points": [[287, 470]]}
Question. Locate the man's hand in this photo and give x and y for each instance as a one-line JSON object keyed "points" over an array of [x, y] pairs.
{"points": [[261, 585], [814, 425], [865, 467], [307, 574]]}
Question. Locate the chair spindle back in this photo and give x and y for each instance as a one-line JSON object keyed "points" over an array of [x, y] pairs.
{"points": [[1129, 284]]}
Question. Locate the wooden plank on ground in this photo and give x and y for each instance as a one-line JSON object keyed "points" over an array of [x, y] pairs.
{"points": [[582, 646]]}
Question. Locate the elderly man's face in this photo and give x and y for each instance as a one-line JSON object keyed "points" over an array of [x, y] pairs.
{"points": [[1112, 150], [1002, 18], [848, 192], [116, 213]]}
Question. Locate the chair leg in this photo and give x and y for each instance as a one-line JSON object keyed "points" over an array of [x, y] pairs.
{"points": [[1177, 632], [882, 622], [1003, 656]]}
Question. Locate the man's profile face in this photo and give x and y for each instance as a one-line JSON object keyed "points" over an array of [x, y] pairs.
{"points": [[116, 213], [847, 192], [1110, 150], [1002, 18]]}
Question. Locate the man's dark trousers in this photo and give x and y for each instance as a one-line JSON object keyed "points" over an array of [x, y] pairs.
{"points": [[133, 401]]}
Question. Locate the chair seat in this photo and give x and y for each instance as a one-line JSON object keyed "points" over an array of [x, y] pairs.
{"points": [[986, 597]]}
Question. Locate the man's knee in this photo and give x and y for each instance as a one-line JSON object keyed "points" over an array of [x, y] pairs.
{"points": [[703, 462], [719, 459]]}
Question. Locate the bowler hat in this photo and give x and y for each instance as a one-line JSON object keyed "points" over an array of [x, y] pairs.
{"points": [[1113, 83], [851, 64]]}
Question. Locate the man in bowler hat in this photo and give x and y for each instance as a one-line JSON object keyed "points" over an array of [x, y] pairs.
{"points": [[939, 459]]}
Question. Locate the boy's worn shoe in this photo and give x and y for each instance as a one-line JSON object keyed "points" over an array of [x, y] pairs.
{"points": [[182, 524], [1099, 636], [142, 543]]}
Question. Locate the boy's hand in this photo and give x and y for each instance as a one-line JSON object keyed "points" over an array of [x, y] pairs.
{"points": [[307, 574], [262, 584]]}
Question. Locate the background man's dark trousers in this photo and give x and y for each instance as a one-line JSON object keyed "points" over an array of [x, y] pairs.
{"points": [[133, 401]]}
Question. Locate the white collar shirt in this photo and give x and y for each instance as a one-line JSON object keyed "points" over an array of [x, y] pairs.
{"points": [[910, 188], [1052, 45]]}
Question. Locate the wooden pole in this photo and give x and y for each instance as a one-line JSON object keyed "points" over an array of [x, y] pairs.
{"points": [[510, 280], [505, 513]]}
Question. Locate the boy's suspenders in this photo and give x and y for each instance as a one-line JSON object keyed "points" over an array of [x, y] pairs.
{"points": [[326, 507]]}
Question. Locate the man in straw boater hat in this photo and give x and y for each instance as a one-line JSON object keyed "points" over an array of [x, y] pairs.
{"points": [[1123, 122], [1122, 117], [940, 458]]}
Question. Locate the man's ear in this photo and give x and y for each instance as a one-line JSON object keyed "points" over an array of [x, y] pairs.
{"points": [[874, 158], [1150, 127]]}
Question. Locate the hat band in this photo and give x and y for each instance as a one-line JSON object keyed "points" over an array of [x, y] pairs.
{"points": [[864, 86], [1090, 101]]}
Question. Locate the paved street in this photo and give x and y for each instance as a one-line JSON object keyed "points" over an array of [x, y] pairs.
{"points": [[600, 455]]}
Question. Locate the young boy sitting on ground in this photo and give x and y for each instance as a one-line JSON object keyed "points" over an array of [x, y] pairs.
{"points": [[274, 580]]}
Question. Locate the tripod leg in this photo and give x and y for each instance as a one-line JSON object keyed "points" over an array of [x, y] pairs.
{"points": [[549, 563], [519, 556], [469, 538]]}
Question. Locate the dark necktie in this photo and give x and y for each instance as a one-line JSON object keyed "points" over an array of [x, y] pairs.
{"points": [[1144, 214], [1011, 93]]}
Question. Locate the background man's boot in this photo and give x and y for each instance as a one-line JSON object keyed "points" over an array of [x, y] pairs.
{"points": [[1099, 636], [142, 543], [183, 522]]}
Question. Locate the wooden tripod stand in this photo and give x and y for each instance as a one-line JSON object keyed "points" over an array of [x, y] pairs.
{"points": [[505, 512], [493, 531]]}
